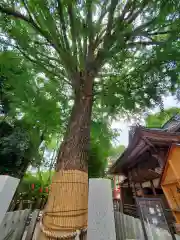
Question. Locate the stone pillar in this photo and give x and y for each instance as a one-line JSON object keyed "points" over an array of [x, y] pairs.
{"points": [[101, 223], [8, 187]]}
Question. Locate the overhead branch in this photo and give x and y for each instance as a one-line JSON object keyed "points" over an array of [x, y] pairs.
{"points": [[160, 33], [99, 36], [110, 18], [27, 9], [149, 35], [132, 17], [144, 43], [140, 28], [29, 20], [89, 23], [128, 10], [73, 30], [15, 14], [46, 20], [45, 56], [104, 11], [107, 40], [37, 62], [135, 14], [64, 54], [125, 10], [45, 44], [63, 24], [99, 39]]}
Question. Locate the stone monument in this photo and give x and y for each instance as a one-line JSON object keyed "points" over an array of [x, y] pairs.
{"points": [[101, 225], [8, 187]]}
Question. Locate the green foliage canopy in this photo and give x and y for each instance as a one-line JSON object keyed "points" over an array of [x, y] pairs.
{"points": [[131, 47]]}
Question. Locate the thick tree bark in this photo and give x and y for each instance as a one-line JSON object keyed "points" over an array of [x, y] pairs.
{"points": [[66, 209], [73, 152]]}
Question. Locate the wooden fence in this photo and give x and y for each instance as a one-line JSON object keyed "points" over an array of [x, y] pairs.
{"points": [[128, 227], [14, 225], [30, 204]]}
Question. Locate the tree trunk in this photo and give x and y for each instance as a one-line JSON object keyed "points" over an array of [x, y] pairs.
{"points": [[66, 208]]}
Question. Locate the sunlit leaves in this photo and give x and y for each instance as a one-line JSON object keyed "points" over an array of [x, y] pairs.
{"points": [[27, 90]]}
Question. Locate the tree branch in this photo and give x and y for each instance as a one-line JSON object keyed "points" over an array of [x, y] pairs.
{"points": [[36, 62], [28, 20], [160, 33], [15, 14], [62, 52], [99, 40], [45, 56], [63, 24], [73, 30], [104, 11], [150, 43], [27, 9], [133, 16], [99, 36], [89, 21], [130, 5], [110, 17], [90, 53], [142, 27], [106, 41]]}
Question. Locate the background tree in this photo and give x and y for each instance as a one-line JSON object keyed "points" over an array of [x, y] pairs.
{"points": [[18, 149], [19, 141], [113, 53], [100, 148], [117, 151], [157, 120]]}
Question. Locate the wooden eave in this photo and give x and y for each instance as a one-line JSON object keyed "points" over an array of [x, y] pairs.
{"points": [[144, 139]]}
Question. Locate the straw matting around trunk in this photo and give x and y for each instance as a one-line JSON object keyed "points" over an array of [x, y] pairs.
{"points": [[66, 209]]}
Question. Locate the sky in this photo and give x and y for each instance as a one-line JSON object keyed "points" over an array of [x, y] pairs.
{"points": [[123, 126]]}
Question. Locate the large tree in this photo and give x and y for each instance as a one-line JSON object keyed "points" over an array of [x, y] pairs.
{"points": [[119, 54]]}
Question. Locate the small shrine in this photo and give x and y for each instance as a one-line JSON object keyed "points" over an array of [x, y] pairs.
{"points": [[146, 170]]}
